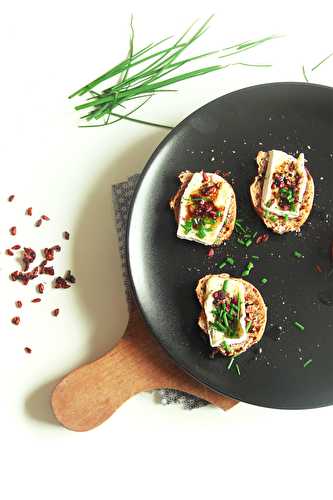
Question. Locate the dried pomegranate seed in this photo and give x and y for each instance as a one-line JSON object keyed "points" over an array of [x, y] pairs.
{"points": [[262, 238], [318, 268], [28, 211], [9, 252], [70, 277], [55, 312], [13, 230], [66, 235], [28, 350], [18, 304], [11, 197], [61, 283], [48, 270], [226, 173], [45, 217], [29, 256], [40, 288], [211, 252], [49, 253], [14, 275], [16, 320], [36, 300], [38, 222], [16, 247], [57, 248]]}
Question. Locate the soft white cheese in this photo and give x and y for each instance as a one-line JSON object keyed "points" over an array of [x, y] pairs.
{"points": [[233, 288], [275, 165], [222, 202]]}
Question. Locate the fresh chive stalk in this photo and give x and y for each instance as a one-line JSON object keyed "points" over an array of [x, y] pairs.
{"points": [[299, 326], [147, 72], [307, 363], [297, 254]]}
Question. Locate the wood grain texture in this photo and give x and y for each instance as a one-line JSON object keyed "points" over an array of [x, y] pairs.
{"points": [[89, 395]]}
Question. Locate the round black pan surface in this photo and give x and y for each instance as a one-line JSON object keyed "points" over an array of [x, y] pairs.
{"points": [[226, 134]]}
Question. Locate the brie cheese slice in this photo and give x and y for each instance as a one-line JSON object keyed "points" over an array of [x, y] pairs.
{"points": [[233, 289], [284, 185], [203, 229]]}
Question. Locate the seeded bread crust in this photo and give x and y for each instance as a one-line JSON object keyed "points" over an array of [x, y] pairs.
{"points": [[228, 227], [280, 226], [256, 311]]}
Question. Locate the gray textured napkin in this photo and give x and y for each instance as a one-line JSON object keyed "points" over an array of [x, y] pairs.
{"points": [[122, 195]]}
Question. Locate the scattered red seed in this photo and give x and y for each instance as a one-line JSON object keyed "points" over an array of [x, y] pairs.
{"points": [[262, 238], [16, 320], [36, 300], [29, 256], [45, 217], [11, 197], [9, 252], [205, 176], [55, 312], [48, 270], [18, 304], [226, 173], [16, 247], [211, 252], [13, 230], [66, 235], [57, 248], [27, 350], [14, 275], [28, 211], [48, 253], [70, 277], [318, 268], [40, 288], [61, 283], [38, 222]]}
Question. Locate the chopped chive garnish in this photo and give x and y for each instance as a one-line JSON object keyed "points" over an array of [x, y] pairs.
{"points": [[225, 319], [237, 369], [230, 261], [225, 285], [222, 264], [264, 281], [255, 234], [298, 254], [248, 243], [250, 266], [299, 326], [242, 242], [246, 272], [248, 326], [225, 345], [230, 363], [286, 217], [240, 227], [239, 303], [307, 363], [255, 257], [273, 218]]}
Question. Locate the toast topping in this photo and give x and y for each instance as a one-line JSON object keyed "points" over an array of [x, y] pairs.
{"points": [[224, 307], [204, 208], [284, 185]]}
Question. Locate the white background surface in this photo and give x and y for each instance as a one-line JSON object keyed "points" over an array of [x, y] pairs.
{"points": [[146, 450]]}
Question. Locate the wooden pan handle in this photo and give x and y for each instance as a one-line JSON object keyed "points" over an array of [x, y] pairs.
{"points": [[89, 395]]}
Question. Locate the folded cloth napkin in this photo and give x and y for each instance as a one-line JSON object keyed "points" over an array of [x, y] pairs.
{"points": [[122, 196]]}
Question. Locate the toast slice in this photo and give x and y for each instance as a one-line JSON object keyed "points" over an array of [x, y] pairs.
{"points": [[256, 312], [228, 227], [280, 225]]}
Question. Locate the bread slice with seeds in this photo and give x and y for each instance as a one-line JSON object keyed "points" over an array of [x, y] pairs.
{"points": [[229, 223], [256, 313], [279, 224]]}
